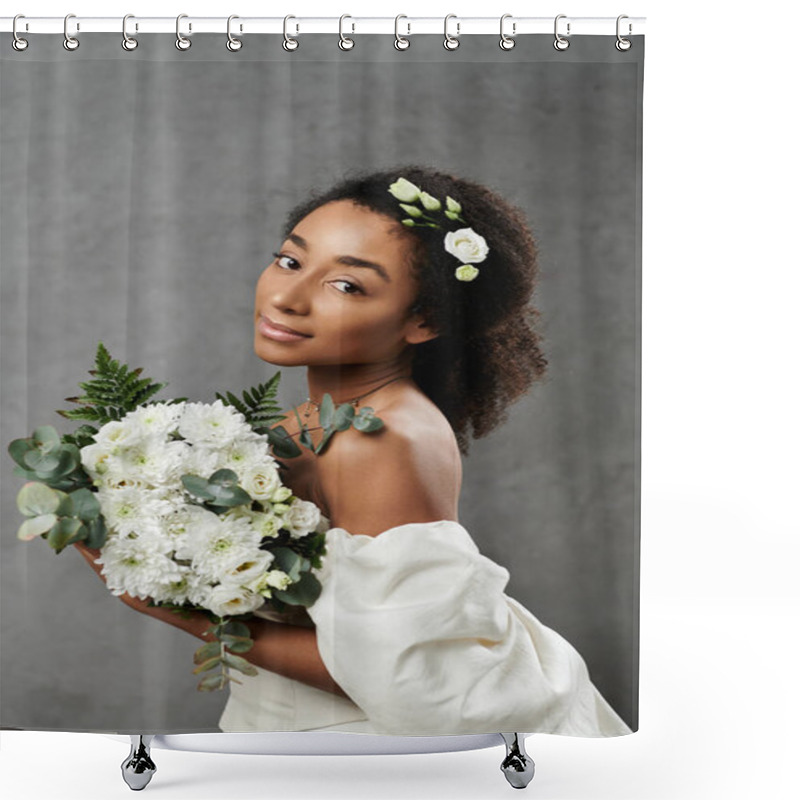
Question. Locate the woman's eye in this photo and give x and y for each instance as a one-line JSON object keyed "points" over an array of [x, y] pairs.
{"points": [[280, 256], [350, 288]]}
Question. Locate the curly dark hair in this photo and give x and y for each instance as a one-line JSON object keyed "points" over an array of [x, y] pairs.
{"points": [[487, 352]]}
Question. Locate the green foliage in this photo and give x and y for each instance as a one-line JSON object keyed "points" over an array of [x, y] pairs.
{"points": [[232, 636], [219, 493], [259, 405], [114, 391]]}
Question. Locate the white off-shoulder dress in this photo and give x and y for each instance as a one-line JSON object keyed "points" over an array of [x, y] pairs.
{"points": [[415, 627]]}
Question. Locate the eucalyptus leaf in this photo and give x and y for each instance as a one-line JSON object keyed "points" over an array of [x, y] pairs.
{"points": [[302, 593], [66, 508], [205, 652], [324, 441], [35, 498], [85, 504], [343, 417], [205, 666], [224, 477], [212, 683], [62, 532], [17, 450], [46, 438], [197, 486], [236, 628], [237, 644], [326, 411], [36, 526], [96, 536], [288, 561], [283, 446], [241, 664]]}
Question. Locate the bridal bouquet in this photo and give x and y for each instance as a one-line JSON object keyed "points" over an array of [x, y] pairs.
{"points": [[183, 500]]}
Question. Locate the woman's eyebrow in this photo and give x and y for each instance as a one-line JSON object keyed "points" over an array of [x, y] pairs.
{"points": [[351, 261]]}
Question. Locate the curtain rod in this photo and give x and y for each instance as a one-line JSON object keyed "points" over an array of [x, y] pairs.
{"points": [[298, 25]]}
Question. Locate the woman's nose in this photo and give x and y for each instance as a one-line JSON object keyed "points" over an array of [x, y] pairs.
{"points": [[292, 295]]}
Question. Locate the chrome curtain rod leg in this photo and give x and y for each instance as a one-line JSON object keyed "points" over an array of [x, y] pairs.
{"points": [[517, 766], [138, 768]]}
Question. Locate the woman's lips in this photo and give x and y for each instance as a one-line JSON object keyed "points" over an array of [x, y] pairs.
{"points": [[280, 333]]}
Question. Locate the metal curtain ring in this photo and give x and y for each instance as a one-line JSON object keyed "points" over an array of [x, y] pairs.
{"points": [[233, 44], [18, 42], [182, 43], [623, 44], [560, 42], [400, 42], [290, 43], [70, 42], [506, 41], [128, 42], [451, 42], [344, 42]]}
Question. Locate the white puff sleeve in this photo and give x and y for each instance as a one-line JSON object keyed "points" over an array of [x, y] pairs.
{"points": [[415, 627]]}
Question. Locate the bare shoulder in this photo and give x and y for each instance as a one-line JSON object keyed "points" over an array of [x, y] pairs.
{"points": [[409, 471]]}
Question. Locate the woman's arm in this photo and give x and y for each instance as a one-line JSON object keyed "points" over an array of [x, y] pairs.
{"points": [[288, 650]]}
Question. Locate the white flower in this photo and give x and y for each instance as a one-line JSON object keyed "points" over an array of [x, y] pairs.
{"points": [[429, 202], [404, 190], [249, 568], [466, 245], [301, 518], [466, 272], [226, 599], [158, 419], [220, 549], [260, 481], [130, 509], [212, 424], [139, 566], [118, 433]]}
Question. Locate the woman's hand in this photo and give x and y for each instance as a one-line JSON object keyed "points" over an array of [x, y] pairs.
{"points": [[90, 554]]}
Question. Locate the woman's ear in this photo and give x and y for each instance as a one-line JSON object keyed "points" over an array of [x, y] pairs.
{"points": [[418, 330]]}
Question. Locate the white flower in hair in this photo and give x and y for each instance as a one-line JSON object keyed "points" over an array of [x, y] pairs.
{"points": [[465, 244]]}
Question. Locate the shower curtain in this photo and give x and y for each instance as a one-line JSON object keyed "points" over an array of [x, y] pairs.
{"points": [[145, 195]]}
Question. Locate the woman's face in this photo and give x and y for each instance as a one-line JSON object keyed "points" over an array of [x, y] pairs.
{"points": [[342, 281]]}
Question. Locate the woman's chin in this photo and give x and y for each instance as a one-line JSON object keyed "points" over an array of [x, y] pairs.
{"points": [[273, 355]]}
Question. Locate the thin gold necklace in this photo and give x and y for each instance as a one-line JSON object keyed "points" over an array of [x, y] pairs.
{"points": [[354, 401]]}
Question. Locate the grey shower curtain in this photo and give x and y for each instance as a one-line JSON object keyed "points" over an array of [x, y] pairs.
{"points": [[142, 195]]}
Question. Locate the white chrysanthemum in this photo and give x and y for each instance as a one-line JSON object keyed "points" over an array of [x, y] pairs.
{"points": [[150, 460], [226, 600], [220, 549], [156, 420], [301, 518], [179, 591], [202, 461], [182, 524], [131, 509], [215, 424], [267, 581], [245, 455], [118, 433], [139, 566]]}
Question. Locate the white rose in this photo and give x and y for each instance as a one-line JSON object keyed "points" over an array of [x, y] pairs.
{"points": [[301, 518], [226, 600], [466, 245], [261, 482]]}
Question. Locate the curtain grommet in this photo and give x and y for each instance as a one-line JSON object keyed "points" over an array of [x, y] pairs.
{"points": [[561, 42], [345, 43], [622, 44], [451, 42], [18, 43], [70, 43], [507, 41], [400, 42], [233, 44], [129, 43], [182, 42], [290, 44]]}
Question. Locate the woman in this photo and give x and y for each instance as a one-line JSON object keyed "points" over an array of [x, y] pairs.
{"points": [[407, 290]]}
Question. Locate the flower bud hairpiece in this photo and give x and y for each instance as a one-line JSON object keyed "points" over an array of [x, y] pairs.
{"points": [[468, 247]]}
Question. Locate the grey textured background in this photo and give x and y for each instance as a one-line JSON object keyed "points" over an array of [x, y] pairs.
{"points": [[141, 195]]}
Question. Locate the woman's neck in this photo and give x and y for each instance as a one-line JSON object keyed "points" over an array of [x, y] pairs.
{"points": [[346, 382]]}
